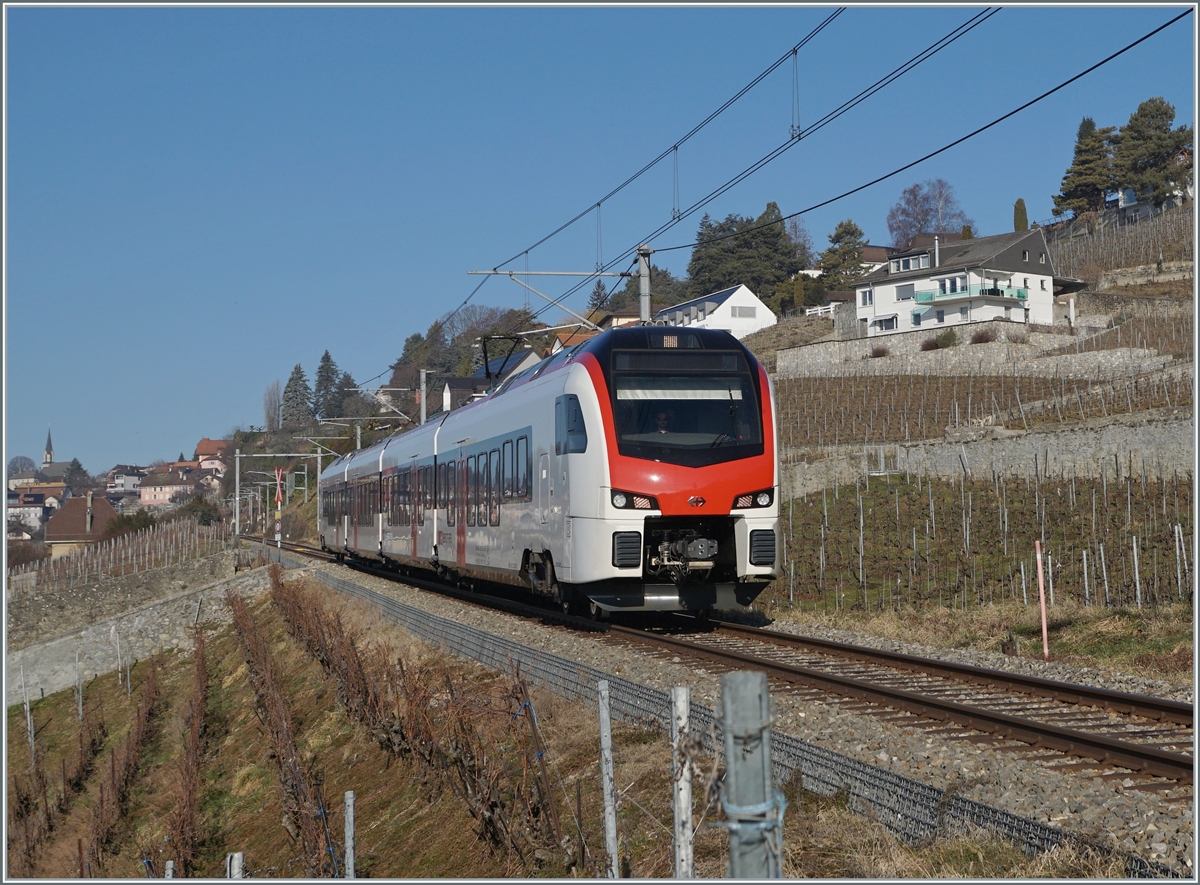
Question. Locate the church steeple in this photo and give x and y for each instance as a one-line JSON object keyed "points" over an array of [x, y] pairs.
{"points": [[48, 455]]}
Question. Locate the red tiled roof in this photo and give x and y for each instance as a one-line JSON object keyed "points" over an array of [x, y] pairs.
{"points": [[208, 446], [69, 522]]}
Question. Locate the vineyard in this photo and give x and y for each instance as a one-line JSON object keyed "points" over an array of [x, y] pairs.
{"points": [[908, 542], [851, 407], [1168, 236], [167, 543]]}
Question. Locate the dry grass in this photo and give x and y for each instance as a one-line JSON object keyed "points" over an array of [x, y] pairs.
{"points": [[406, 829], [1151, 643], [791, 332]]}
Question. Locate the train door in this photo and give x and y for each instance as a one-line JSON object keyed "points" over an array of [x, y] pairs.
{"points": [[545, 488], [414, 498], [461, 502]]}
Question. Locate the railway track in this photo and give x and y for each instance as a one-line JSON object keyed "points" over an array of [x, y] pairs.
{"points": [[1068, 726]]}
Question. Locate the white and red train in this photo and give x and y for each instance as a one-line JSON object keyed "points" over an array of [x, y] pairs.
{"points": [[636, 471]]}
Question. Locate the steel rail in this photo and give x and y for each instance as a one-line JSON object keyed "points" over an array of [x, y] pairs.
{"points": [[1107, 750], [1128, 703]]}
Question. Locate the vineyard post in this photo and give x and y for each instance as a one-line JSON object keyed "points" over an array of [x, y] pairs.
{"points": [[1086, 597], [1104, 569], [1178, 569], [349, 818], [681, 778], [1137, 581], [1050, 574], [1024, 592], [28, 721], [169, 871], [1187, 577], [233, 865], [79, 687], [747, 796], [606, 771], [1037, 547]]}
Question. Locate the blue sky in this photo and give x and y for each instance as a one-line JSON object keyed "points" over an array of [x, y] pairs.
{"points": [[199, 198]]}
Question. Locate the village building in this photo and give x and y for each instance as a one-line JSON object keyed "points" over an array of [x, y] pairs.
{"points": [[78, 523], [735, 310], [934, 285]]}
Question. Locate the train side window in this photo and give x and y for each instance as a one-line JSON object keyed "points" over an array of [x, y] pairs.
{"points": [[485, 488], [494, 487], [522, 477], [448, 497], [471, 486], [570, 433], [506, 468]]}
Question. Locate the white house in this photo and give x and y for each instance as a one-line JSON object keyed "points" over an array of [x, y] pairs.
{"points": [[737, 310], [1008, 276]]}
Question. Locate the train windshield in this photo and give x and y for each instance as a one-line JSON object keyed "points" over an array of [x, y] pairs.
{"points": [[685, 407]]}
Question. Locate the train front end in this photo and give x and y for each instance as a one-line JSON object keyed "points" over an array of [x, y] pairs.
{"points": [[691, 502]]}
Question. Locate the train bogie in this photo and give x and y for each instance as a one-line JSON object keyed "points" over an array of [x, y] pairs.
{"points": [[635, 472]]}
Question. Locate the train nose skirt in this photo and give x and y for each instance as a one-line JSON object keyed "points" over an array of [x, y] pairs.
{"points": [[667, 597]]}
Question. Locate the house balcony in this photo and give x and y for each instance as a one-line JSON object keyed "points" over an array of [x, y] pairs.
{"points": [[932, 295]]}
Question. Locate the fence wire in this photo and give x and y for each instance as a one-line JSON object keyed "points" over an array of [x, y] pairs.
{"points": [[913, 811]]}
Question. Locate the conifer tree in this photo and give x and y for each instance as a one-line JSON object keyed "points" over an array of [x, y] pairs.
{"points": [[1147, 150], [325, 400], [1090, 177], [1020, 216], [841, 263], [297, 405]]}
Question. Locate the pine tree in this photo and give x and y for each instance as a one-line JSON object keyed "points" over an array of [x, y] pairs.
{"points": [[841, 263], [1146, 152], [297, 405], [325, 401], [599, 296], [1090, 177], [756, 252], [1020, 216]]}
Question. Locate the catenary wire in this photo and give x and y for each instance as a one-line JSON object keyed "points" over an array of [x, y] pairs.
{"points": [[862, 96]]}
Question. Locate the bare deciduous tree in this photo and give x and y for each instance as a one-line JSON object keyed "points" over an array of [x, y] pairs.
{"points": [[271, 405], [929, 208]]}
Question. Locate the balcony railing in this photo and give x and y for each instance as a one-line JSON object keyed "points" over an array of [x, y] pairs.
{"points": [[932, 295]]}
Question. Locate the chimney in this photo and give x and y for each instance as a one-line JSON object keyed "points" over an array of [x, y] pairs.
{"points": [[88, 525], [937, 252]]}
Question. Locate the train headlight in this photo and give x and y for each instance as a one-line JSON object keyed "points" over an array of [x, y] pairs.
{"points": [[631, 501], [763, 498]]}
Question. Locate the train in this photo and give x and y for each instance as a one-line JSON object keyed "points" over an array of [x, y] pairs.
{"points": [[636, 471]]}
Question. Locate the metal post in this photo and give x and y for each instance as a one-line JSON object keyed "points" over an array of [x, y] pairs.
{"points": [[1137, 580], [28, 721], [606, 777], [1037, 547], [424, 372], [78, 687], [318, 492], [169, 873], [681, 777], [233, 865], [237, 495], [643, 253], [751, 805], [349, 834]]}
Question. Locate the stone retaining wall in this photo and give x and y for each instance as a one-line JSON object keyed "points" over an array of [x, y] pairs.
{"points": [[995, 358], [165, 623], [1161, 446]]}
